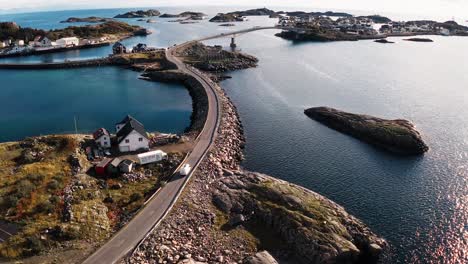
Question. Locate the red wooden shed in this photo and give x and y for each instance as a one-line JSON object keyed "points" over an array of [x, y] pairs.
{"points": [[101, 167]]}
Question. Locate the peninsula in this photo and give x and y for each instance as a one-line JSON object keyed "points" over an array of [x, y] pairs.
{"points": [[139, 14], [398, 136]]}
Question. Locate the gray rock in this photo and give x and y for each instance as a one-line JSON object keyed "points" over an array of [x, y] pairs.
{"points": [[237, 220], [263, 257]]}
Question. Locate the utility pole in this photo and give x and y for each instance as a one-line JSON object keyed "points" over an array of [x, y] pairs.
{"points": [[76, 127]]}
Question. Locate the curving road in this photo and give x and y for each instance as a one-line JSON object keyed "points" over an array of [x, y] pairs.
{"points": [[162, 202]]}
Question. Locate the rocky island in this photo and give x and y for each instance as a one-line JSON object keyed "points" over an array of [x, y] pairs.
{"points": [[239, 15], [188, 15], [398, 136], [139, 14], [91, 19], [215, 59], [419, 39], [384, 41]]}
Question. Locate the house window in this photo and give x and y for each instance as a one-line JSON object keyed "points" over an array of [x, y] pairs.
{"points": [[127, 141], [106, 143], [140, 139]]}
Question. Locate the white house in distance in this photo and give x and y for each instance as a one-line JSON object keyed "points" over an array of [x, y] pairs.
{"points": [[131, 135], [19, 42], [102, 138], [42, 41], [67, 42]]}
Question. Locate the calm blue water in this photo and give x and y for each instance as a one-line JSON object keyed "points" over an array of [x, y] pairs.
{"points": [[45, 102], [418, 204]]}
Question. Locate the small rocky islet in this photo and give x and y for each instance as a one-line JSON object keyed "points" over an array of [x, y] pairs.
{"points": [[419, 40], [139, 14], [397, 136], [91, 19]]}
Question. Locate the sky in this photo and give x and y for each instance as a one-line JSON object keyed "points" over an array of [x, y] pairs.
{"points": [[449, 8]]}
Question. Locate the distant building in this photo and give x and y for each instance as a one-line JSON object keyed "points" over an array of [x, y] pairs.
{"points": [[101, 168], [140, 48], [126, 166], [131, 135], [42, 41], [445, 31], [102, 138], [4, 44], [113, 167], [119, 48], [68, 42], [19, 43]]}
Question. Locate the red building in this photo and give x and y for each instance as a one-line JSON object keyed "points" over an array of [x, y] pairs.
{"points": [[102, 166]]}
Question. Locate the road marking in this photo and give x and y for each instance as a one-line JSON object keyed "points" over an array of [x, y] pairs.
{"points": [[6, 232]]}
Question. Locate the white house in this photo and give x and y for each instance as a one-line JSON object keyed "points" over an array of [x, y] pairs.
{"points": [[42, 41], [102, 138], [445, 31], [4, 44], [67, 42], [19, 42], [131, 135]]}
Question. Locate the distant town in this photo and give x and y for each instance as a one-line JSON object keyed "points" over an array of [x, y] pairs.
{"points": [[18, 41], [299, 25]]}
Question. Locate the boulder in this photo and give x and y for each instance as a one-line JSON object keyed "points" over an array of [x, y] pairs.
{"points": [[262, 257], [398, 136]]}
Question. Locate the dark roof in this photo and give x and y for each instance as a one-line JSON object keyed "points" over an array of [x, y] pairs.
{"points": [[100, 132], [126, 162], [131, 124], [127, 119], [104, 163], [118, 44]]}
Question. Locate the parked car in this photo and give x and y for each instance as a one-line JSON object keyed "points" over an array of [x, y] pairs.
{"points": [[185, 170]]}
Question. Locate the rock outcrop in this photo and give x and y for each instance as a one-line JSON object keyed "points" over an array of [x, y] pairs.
{"points": [[315, 228], [323, 35], [419, 39], [238, 15], [384, 41], [215, 59], [139, 14], [398, 136], [91, 19], [262, 257]]}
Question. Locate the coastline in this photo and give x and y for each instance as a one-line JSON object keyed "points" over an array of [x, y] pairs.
{"points": [[223, 160], [189, 231]]}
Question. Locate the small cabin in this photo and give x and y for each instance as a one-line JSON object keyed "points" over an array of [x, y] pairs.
{"points": [[101, 168], [126, 166], [113, 167]]}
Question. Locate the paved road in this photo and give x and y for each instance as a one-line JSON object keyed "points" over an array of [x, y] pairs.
{"points": [[155, 210], [161, 203]]}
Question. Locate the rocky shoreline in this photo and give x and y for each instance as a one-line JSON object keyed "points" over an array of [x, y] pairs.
{"points": [[398, 136], [228, 215]]}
